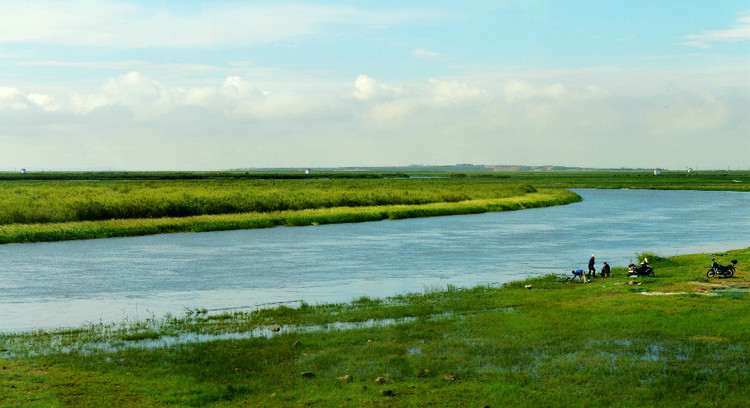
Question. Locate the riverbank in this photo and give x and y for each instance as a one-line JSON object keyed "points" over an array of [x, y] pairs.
{"points": [[541, 342], [510, 198]]}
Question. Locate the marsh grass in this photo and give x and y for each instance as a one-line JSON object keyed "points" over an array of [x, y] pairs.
{"points": [[560, 343], [64, 206], [668, 180], [39, 232], [30, 202]]}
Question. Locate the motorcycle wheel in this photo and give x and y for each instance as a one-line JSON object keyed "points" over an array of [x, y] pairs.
{"points": [[729, 273], [651, 274], [710, 273]]}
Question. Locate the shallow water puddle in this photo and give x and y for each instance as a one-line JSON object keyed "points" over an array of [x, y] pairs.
{"points": [[114, 345]]}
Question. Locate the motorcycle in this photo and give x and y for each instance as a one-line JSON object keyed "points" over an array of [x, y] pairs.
{"points": [[726, 271], [638, 271]]}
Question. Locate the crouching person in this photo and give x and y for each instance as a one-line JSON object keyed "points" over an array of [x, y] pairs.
{"points": [[578, 274], [605, 270]]}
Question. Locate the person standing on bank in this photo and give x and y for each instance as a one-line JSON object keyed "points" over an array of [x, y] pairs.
{"points": [[592, 270]]}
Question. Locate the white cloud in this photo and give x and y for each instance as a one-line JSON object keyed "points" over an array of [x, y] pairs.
{"points": [[144, 96], [125, 25], [205, 96], [12, 98], [522, 90], [517, 90], [391, 114], [15, 99], [238, 87], [119, 66], [687, 114], [85, 103], [697, 44], [133, 87], [366, 88], [593, 91], [45, 102], [453, 92], [538, 117], [740, 32], [424, 53]]}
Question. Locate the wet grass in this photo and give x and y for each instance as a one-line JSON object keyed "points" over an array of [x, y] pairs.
{"points": [[560, 343]]}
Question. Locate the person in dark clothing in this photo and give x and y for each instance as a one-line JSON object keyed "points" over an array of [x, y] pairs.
{"points": [[592, 270], [605, 270]]}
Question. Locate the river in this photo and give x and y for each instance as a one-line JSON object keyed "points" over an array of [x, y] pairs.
{"points": [[63, 284]]}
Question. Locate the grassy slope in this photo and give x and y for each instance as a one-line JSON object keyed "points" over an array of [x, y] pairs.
{"points": [[558, 344]]}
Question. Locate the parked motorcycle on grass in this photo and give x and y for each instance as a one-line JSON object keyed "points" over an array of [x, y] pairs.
{"points": [[638, 271], [725, 271]]}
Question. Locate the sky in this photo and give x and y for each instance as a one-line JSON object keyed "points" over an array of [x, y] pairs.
{"points": [[213, 85]]}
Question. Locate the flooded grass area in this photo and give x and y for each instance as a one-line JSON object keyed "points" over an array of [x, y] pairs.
{"points": [[545, 341], [103, 340]]}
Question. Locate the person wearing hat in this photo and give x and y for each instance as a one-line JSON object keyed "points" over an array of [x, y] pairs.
{"points": [[644, 264], [592, 270]]}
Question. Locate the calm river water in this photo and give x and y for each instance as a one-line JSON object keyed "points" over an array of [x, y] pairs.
{"points": [[69, 283]]}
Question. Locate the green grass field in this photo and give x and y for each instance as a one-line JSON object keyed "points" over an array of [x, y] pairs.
{"points": [[61, 206], [675, 340], [53, 210], [28, 202], [39, 232], [668, 180]]}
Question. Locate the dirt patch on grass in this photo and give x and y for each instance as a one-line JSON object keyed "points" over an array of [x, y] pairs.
{"points": [[720, 284], [710, 338]]}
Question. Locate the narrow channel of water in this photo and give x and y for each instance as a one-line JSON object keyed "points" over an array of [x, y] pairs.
{"points": [[67, 283]]}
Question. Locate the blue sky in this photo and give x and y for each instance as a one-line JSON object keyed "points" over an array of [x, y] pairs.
{"points": [[199, 85]]}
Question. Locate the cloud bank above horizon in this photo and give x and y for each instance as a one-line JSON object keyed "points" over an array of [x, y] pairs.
{"points": [[214, 85]]}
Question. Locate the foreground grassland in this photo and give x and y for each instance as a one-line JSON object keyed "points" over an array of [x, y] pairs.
{"points": [[33, 211], [676, 340]]}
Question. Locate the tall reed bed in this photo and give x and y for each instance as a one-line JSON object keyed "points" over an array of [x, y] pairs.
{"points": [[58, 231], [29, 202]]}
